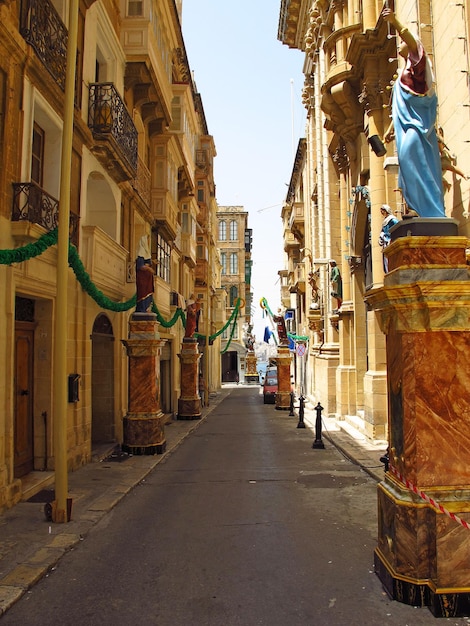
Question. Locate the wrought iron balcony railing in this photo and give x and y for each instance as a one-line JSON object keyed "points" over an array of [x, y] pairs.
{"points": [[33, 204], [108, 117], [42, 28]]}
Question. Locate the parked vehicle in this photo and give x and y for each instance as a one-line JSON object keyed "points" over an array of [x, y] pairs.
{"points": [[270, 386]]}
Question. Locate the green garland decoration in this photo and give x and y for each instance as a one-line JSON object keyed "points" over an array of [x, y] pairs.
{"points": [[87, 284], [32, 250], [235, 316], [232, 317], [178, 314]]}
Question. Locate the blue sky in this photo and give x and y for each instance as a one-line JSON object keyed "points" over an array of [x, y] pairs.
{"points": [[251, 87]]}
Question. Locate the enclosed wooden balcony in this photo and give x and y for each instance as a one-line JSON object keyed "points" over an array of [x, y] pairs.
{"points": [[298, 281], [188, 248], [297, 220], [142, 182]]}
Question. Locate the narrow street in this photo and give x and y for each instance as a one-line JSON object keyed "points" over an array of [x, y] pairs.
{"points": [[244, 524]]}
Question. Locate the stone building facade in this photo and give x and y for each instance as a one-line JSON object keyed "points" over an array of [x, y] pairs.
{"points": [[234, 241], [340, 179], [141, 165]]}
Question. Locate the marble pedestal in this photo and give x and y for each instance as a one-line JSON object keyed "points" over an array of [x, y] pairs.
{"points": [[423, 555], [251, 374], [143, 423], [283, 362], [189, 403]]}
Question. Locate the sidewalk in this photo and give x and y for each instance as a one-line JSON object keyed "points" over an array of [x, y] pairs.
{"points": [[364, 453], [30, 546]]}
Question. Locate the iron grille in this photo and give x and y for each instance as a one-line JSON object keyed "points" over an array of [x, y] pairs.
{"points": [[108, 116]]}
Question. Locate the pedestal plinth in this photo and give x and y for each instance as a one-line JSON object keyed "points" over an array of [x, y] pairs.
{"points": [[283, 362], [143, 424], [251, 375], [189, 404], [423, 555]]}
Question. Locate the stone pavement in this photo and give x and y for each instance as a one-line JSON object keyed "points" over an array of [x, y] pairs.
{"points": [[30, 546]]}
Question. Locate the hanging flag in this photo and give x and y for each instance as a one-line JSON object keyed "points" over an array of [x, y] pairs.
{"points": [[267, 335]]}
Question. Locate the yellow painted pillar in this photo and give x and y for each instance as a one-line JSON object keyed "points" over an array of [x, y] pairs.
{"points": [[59, 505]]}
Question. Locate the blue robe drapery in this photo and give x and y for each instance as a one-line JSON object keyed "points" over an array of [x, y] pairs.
{"points": [[420, 172]]}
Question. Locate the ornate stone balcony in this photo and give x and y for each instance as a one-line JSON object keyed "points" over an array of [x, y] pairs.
{"points": [[105, 261], [290, 242], [113, 130], [33, 205]]}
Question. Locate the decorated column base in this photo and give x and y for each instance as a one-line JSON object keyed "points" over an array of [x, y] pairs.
{"points": [[251, 375], [189, 403], [423, 552], [143, 434], [283, 361], [144, 422]]}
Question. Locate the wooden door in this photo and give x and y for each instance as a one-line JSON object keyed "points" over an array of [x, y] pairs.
{"points": [[23, 398]]}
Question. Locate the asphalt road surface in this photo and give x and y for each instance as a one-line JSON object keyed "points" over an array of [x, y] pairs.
{"points": [[243, 525]]}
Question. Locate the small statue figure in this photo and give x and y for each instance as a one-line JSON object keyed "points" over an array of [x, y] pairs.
{"points": [[193, 308], [312, 281], [144, 276], [336, 284], [448, 160], [389, 220], [281, 328], [249, 339]]}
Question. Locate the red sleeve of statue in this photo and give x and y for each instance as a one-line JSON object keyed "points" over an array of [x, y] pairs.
{"points": [[144, 282]]}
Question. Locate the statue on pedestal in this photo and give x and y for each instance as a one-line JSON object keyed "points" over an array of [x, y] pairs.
{"points": [[144, 276], [193, 309], [336, 282]]}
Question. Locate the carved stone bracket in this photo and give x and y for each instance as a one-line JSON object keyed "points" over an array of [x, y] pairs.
{"points": [[181, 62], [341, 106], [355, 263]]}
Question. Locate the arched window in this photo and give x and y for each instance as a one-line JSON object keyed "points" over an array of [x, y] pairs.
{"points": [[223, 262], [233, 230], [233, 263], [233, 295], [222, 230]]}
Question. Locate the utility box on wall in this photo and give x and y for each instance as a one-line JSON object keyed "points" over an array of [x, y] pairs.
{"points": [[73, 387]]}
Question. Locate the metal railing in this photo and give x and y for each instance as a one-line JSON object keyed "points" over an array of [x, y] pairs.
{"points": [[32, 204], [42, 28], [108, 116]]}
